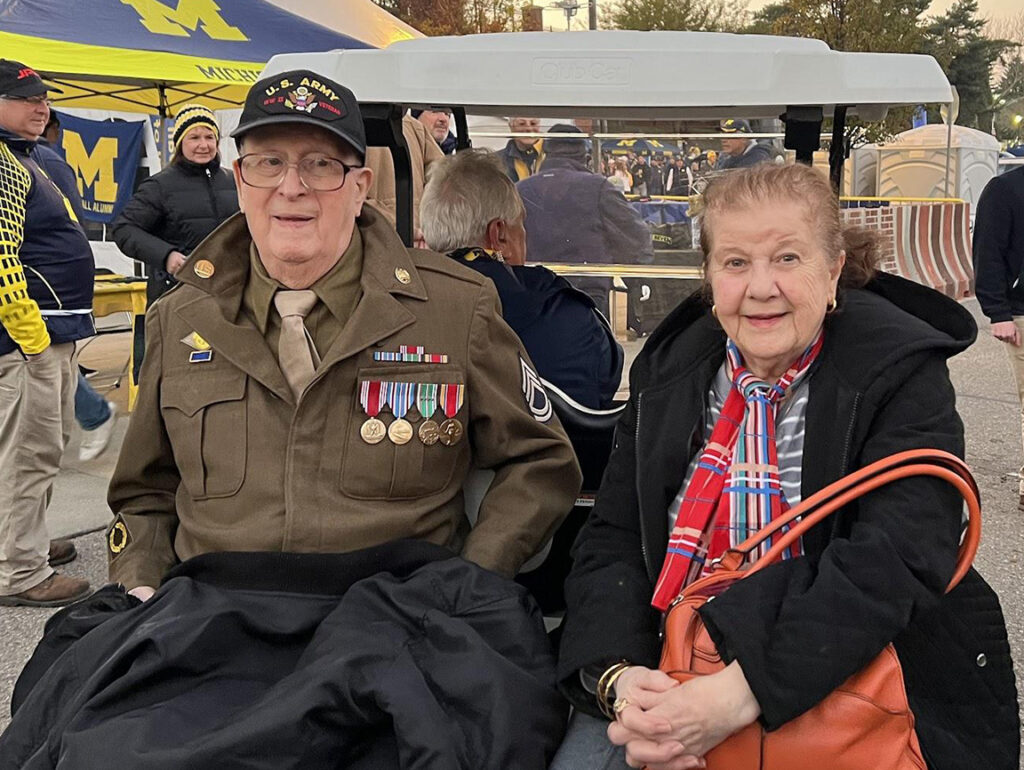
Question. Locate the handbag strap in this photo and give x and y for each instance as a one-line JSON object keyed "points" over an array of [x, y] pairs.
{"points": [[825, 502]]}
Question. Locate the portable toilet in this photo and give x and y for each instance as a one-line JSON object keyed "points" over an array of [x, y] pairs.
{"points": [[914, 165]]}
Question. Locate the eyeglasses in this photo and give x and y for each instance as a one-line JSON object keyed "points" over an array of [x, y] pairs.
{"points": [[35, 100], [316, 172]]}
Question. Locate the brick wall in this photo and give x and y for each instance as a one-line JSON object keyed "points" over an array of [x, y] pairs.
{"points": [[925, 242], [880, 219]]}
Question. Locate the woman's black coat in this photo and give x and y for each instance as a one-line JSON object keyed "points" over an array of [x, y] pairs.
{"points": [[874, 573], [174, 210]]}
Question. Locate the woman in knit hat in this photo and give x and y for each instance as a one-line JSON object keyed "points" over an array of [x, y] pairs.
{"points": [[172, 211]]}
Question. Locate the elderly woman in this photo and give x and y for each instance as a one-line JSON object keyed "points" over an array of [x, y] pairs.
{"points": [[795, 332], [173, 210], [472, 212]]}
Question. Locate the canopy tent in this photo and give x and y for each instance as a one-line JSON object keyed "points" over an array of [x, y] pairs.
{"points": [[362, 19], [639, 147], [189, 51]]}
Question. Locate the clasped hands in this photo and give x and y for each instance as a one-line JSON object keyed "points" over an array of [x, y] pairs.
{"points": [[665, 725]]}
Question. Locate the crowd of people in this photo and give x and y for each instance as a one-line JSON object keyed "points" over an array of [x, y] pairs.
{"points": [[295, 576]]}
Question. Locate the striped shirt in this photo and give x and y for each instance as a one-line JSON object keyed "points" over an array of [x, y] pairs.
{"points": [[789, 436]]}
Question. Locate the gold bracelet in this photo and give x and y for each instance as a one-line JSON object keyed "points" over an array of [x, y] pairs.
{"points": [[605, 685]]}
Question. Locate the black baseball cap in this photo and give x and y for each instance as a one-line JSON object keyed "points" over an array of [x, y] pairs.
{"points": [[303, 96], [17, 79], [735, 126]]}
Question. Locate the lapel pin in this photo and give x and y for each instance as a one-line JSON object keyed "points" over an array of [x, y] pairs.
{"points": [[204, 268], [402, 275]]}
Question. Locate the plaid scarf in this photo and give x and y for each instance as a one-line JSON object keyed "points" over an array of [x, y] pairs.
{"points": [[735, 489]]}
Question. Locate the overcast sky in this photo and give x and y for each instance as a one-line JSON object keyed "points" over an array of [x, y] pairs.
{"points": [[988, 9]]}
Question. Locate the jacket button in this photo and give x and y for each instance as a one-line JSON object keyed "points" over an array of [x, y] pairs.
{"points": [[982, 661]]}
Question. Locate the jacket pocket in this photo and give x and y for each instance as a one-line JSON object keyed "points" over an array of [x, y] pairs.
{"points": [[205, 416], [386, 471]]}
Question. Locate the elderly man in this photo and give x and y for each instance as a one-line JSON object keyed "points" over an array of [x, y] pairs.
{"points": [[522, 153], [314, 386], [740, 151], [437, 123], [472, 212], [46, 276]]}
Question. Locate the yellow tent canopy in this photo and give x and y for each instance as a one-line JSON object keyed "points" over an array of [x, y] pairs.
{"points": [[189, 51]]}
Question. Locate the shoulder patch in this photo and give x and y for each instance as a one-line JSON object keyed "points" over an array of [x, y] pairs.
{"points": [[537, 400]]}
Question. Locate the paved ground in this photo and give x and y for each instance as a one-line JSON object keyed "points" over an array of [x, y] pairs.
{"points": [[987, 402]]}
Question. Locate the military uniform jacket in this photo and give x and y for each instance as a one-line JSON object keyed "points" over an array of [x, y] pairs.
{"points": [[219, 456]]}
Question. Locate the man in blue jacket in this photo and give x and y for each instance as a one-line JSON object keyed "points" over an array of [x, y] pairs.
{"points": [[46, 279], [574, 215], [998, 262], [471, 212]]}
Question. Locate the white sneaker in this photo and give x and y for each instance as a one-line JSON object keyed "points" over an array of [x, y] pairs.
{"points": [[95, 441]]}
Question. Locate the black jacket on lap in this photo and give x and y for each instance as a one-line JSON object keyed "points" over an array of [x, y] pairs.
{"points": [[174, 210], [400, 656], [874, 573]]}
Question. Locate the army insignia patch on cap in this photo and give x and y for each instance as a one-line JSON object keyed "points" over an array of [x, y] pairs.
{"points": [[308, 95], [118, 536], [537, 400]]}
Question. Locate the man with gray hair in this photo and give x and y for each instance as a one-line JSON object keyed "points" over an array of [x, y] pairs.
{"points": [[472, 212]]}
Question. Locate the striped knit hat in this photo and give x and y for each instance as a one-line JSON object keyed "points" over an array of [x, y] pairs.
{"points": [[190, 116]]}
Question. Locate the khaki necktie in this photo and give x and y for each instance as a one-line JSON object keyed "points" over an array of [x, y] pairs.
{"points": [[294, 348]]}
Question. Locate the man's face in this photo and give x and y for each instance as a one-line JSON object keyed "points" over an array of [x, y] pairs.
{"points": [[436, 123], [25, 117], [735, 145], [524, 126], [292, 225]]}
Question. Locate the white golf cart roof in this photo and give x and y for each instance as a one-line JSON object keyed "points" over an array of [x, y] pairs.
{"points": [[640, 75]]}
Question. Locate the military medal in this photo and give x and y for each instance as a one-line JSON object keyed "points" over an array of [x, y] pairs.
{"points": [[426, 403], [373, 430], [399, 395], [451, 401]]}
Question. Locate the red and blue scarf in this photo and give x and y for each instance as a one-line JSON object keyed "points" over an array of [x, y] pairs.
{"points": [[735, 489]]}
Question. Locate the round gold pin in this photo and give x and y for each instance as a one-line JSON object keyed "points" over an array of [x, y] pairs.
{"points": [[373, 431], [204, 268], [118, 538], [430, 432], [451, 432], [400, 432], [402, 275]]}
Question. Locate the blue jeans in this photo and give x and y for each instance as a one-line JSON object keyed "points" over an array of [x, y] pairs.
{"points": [[586, 747], [91, 409]]}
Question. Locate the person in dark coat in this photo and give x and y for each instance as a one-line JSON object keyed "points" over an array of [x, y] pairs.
{"points": [[856, 363], [741, 151], [998, 267], [173, 210], [574, 215], [472, 212]]}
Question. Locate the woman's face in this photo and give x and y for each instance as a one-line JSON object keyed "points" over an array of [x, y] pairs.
{"points": [[771, 282], [199, 145]]}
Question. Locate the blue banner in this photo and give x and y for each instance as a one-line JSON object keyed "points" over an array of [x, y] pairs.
{"points": [[104, 156]]}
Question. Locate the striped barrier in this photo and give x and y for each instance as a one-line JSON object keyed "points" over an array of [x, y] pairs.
{"points": [[927, 242]]}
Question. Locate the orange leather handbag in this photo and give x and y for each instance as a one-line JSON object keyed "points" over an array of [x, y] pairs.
{"points": [[867, 721]]}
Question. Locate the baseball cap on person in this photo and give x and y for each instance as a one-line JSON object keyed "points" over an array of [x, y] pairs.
{"points": [[303, 96], [563, 145], [16, 79], [734, 126]]}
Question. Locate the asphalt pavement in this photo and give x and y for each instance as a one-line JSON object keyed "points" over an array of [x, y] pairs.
{"points": [[987, 402]]}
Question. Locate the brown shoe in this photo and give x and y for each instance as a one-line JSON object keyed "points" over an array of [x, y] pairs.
{"points": [[56, 591], [1020, 503], [61, 552]]}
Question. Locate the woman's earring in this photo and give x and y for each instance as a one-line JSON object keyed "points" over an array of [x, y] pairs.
{"points": [[832, 305], [714, 310]]}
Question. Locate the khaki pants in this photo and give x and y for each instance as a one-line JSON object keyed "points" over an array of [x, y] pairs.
{"points": [[37, 411]]}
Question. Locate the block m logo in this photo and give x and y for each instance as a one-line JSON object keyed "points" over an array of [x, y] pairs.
{"points": [[95, 168], [188, 15]]}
